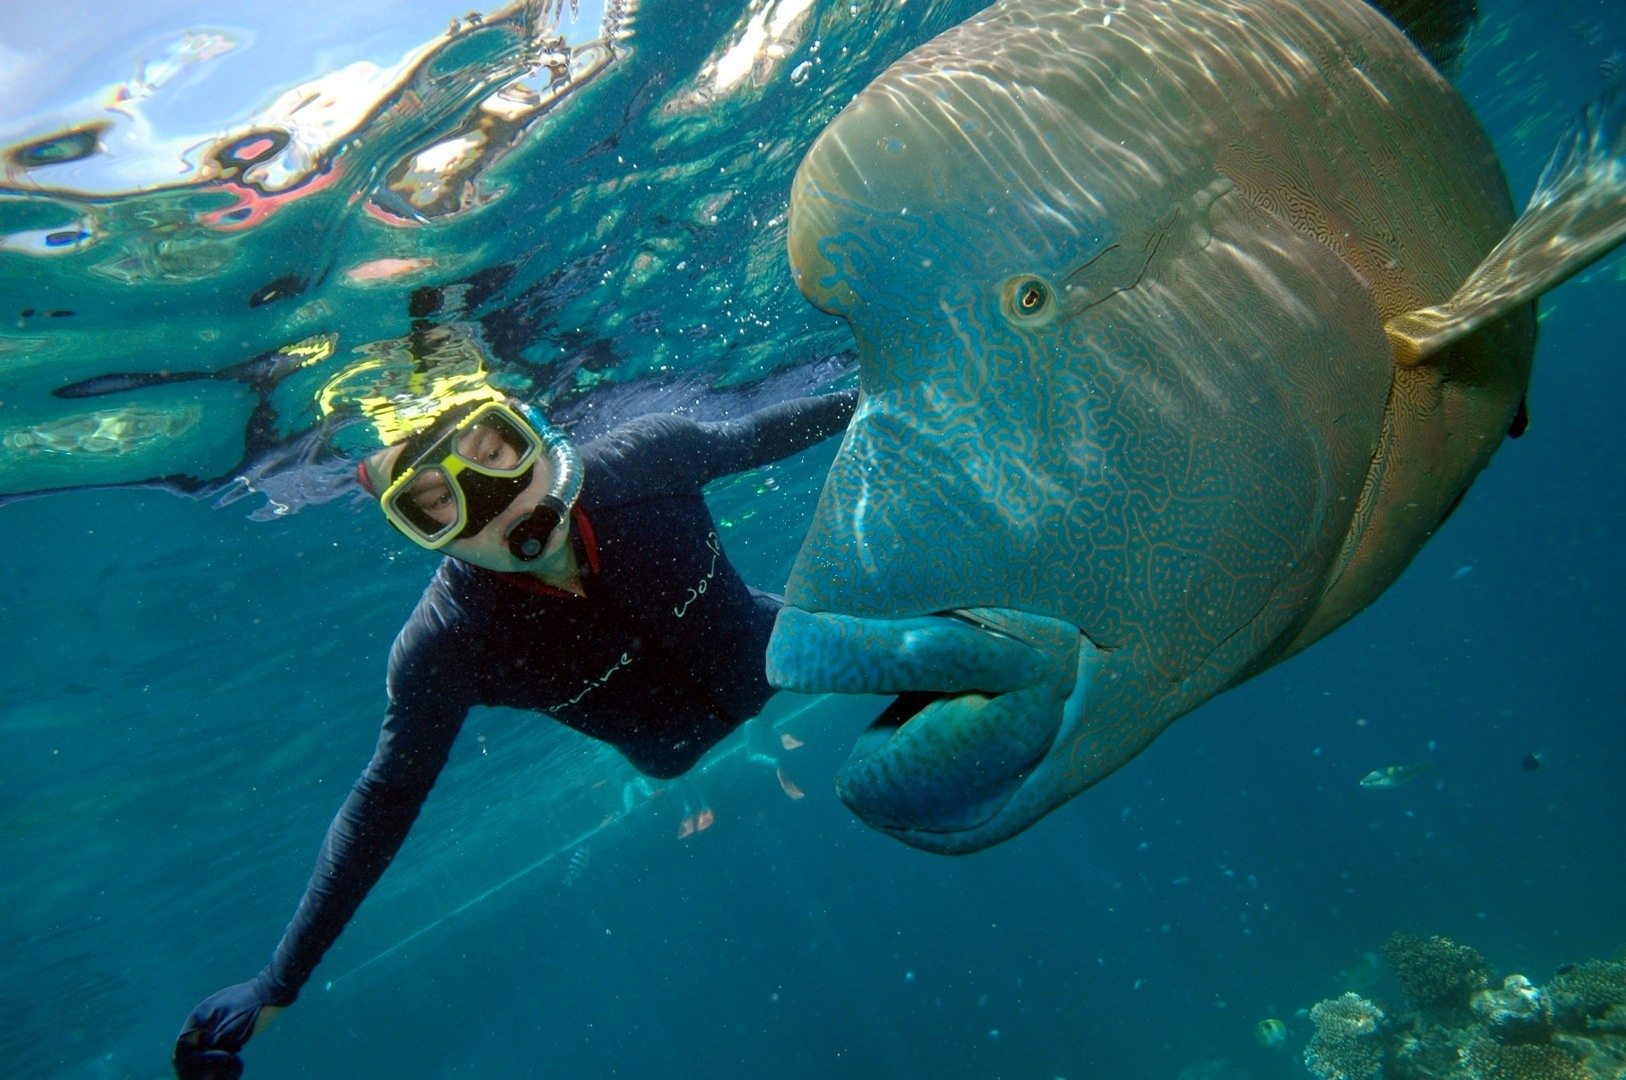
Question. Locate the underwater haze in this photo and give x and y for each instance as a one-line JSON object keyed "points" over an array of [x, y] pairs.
{"points": [[211, 222]]}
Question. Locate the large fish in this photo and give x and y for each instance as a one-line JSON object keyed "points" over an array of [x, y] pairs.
{"points": [[1182, 325]]}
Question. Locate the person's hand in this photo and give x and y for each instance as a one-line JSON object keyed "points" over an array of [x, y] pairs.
{"points": [[207, 1046]]}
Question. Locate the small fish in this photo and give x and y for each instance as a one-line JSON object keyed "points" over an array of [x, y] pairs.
{"points": [[1533, 760], [577, 865], [789, 741], [1391, 776], [285, 286]]}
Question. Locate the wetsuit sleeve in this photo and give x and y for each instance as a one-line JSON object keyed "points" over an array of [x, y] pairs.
{"points": [[419, 728], [731, 446]]}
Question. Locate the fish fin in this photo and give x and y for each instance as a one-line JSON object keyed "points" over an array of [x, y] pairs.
{"points": [[1521, 419], [1576, 216], [1439, 28]]}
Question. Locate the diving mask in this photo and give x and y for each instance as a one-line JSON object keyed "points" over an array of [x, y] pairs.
{"points": [[454, 480]]}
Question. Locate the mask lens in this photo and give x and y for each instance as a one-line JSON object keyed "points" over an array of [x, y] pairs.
{"points": [[463, 478], [429, 503], [496, 445]]}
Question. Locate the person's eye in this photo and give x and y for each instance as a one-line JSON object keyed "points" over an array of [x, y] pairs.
{"points": [[435, 500]]}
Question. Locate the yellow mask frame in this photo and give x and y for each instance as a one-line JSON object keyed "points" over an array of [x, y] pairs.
{"points": [[444, 458]]}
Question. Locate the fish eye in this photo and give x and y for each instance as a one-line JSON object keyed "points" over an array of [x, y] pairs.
{"points": [[1028, 299]]}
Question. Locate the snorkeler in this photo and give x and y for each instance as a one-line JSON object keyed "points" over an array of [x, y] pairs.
{"points": [[590, 585]]}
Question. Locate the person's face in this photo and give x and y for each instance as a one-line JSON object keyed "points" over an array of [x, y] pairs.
{"points": [[434, 500]]}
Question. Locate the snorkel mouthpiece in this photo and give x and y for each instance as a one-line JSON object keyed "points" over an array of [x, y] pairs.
{"points": [[528, 537]]}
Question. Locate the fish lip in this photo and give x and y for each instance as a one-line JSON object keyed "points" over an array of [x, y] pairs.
{"points": [[974, 666], [964, 835], [951, 652]]}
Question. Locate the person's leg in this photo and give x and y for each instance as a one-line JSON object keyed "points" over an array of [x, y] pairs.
{"points": [[636, 792], [761, 741], [766, 746], [670, 764]]}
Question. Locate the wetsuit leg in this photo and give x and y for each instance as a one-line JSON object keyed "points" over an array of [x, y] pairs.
{"points": [[663, 763], [677, 752]]}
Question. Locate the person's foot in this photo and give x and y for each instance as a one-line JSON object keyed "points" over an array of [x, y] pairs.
{"points": [[788, 786], [697, 822], [765, 753]]}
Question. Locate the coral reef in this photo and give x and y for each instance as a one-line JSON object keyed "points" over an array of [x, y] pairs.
{"points": [[1516, 1011], [1486, 1059], [1591, 994], [1439, 976], [1462, 1025], [1346, 1044]]}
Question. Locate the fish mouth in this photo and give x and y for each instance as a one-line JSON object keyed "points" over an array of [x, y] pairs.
{"points": [[983, 695]]}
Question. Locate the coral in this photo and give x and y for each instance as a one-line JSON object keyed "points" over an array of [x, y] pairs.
{"points": [[1516, 1011], [1588, 993], [1345, 1045], [1439, 976], [1612, 1022], [1487, 1059], [1414, 1058], [1604, 1057], [1459, 1026]]}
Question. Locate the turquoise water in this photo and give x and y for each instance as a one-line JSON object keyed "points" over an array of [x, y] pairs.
{"points": [[191, 684]]}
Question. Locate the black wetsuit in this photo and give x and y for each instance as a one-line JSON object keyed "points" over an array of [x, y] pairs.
{"points": [[662, 658]]}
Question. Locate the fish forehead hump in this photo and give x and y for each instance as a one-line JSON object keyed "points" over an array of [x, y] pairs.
{"points": [[1040, 137], [1319, 111]]}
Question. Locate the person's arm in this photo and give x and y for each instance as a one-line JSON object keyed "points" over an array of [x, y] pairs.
{"points": [[364, 837], [771, 434], [371, 826]]}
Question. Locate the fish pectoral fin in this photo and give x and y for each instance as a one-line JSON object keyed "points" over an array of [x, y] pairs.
{"points": [[1576, 217]]}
